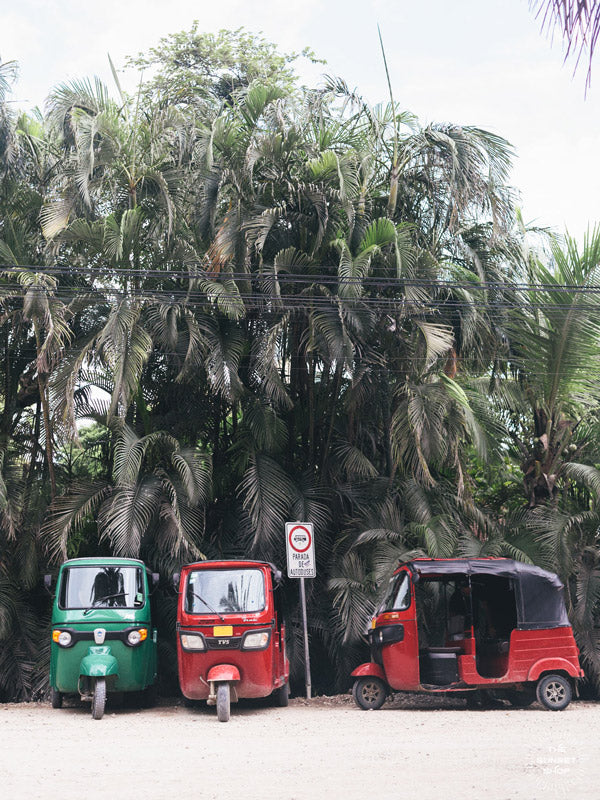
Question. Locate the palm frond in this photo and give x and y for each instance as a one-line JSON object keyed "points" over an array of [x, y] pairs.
{"points": [[125, 517], [267, 493], [68, 514]]}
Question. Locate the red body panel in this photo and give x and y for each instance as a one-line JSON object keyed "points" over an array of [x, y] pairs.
{"points": [[401, 660], [370, 669], [223, 672], [531, 654], [256, 672], [555, 646]]}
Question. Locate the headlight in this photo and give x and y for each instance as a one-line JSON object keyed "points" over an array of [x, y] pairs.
{"points": [[192, 641], [256, 641], [63, 638], [136, 636]]}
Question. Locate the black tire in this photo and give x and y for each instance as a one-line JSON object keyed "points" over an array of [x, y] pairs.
{"points": [[482, 700], [491, 699], [369, 693], [520, 699], [554, 692], [223, 702], [56, 698], [281, 696], [99, 698], [149, 696]]}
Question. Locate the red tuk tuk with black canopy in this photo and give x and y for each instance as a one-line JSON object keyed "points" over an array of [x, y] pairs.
{"points": [[459, 625]]}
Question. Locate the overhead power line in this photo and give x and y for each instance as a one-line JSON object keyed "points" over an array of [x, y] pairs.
{"points": [[284, 277], [275, 302], [308, 279]]}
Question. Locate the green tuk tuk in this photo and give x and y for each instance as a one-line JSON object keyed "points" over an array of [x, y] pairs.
{"points": [[102, 635]]}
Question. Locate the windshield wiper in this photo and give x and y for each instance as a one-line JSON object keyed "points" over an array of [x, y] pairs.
{"points": [[104, 597], [210, 608]]}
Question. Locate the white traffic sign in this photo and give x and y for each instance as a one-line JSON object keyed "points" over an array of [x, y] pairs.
{"points": [[300, 546]]}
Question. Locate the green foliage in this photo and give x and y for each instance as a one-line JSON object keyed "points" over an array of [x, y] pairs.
{"points": [[227, 302], [194, 68]]}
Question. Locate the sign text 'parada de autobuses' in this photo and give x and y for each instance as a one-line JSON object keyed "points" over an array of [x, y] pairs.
{"points": [[300, 545]]}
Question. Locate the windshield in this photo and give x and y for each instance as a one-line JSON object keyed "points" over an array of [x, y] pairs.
{"points": [[397, 597], [102, 587], [225, 591]]}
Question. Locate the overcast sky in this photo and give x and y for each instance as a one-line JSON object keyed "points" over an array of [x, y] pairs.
{"points": [[472, 62]]}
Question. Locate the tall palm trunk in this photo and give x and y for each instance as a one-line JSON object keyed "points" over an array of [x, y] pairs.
{"points": [[42, 378]]}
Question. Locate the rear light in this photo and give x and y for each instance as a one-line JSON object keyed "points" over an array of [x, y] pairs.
{"points": [[192, 641]]}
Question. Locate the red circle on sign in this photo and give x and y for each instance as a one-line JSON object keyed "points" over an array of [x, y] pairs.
{"points": [[306, 531]]}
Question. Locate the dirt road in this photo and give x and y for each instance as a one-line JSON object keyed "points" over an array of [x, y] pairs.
{"points": [[325, 748]]}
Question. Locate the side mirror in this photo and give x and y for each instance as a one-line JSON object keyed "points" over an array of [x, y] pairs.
{"points": [[277, 577], [155, 580], [176, 576], [48, 583]]}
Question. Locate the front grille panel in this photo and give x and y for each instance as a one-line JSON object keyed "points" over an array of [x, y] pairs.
{"points": [[223, 642]]}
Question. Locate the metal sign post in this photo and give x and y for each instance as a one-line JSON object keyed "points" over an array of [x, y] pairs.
{"points": [[299, 541], [307, 678]]}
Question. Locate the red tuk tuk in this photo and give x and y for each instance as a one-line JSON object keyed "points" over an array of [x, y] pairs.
{"points": [[231, 633], [459, 625]]}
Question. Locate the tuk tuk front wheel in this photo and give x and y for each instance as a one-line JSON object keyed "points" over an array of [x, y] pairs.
{"points": [[554, 692], [99, 698], [56, 697], [223, 702], [520, 698], [369, 692]]}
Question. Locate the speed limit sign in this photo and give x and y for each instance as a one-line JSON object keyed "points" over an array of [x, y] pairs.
{"points": [[300, 545]]}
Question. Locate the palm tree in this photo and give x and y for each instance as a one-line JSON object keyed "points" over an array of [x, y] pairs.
{"points": [[151, 507], [555, 350], [577, 20]]}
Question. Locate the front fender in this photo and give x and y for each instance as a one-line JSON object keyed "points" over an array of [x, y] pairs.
{"points": [[223, 672], [99, 663], [371, 669], [553, 665]]}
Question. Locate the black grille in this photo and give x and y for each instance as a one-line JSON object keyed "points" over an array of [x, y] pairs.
{"points": [[223, 642], [88, 636]]}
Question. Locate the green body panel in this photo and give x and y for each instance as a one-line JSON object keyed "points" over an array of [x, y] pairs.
{"points": [[99, 663], [134, 667], [128, 668]]}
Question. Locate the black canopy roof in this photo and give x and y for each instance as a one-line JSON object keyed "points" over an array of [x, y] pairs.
{"points": [[538, 593]]}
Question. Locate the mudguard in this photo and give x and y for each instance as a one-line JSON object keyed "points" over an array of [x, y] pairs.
{"points": [[99, 663], [370, 668], [554, 665], [223, 672]]}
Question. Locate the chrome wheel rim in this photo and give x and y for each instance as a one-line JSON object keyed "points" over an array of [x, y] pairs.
{"points": [[555, 693], [371, 692]]}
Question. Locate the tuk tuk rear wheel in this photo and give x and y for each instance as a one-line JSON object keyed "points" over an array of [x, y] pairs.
{"points": [[148, 697], [56, 697], [554, 692], [223, 702], [369, 692], [99, 698], [282, 695]]}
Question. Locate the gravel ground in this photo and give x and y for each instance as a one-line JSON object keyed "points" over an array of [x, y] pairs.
{"points": [[322, 748]]}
